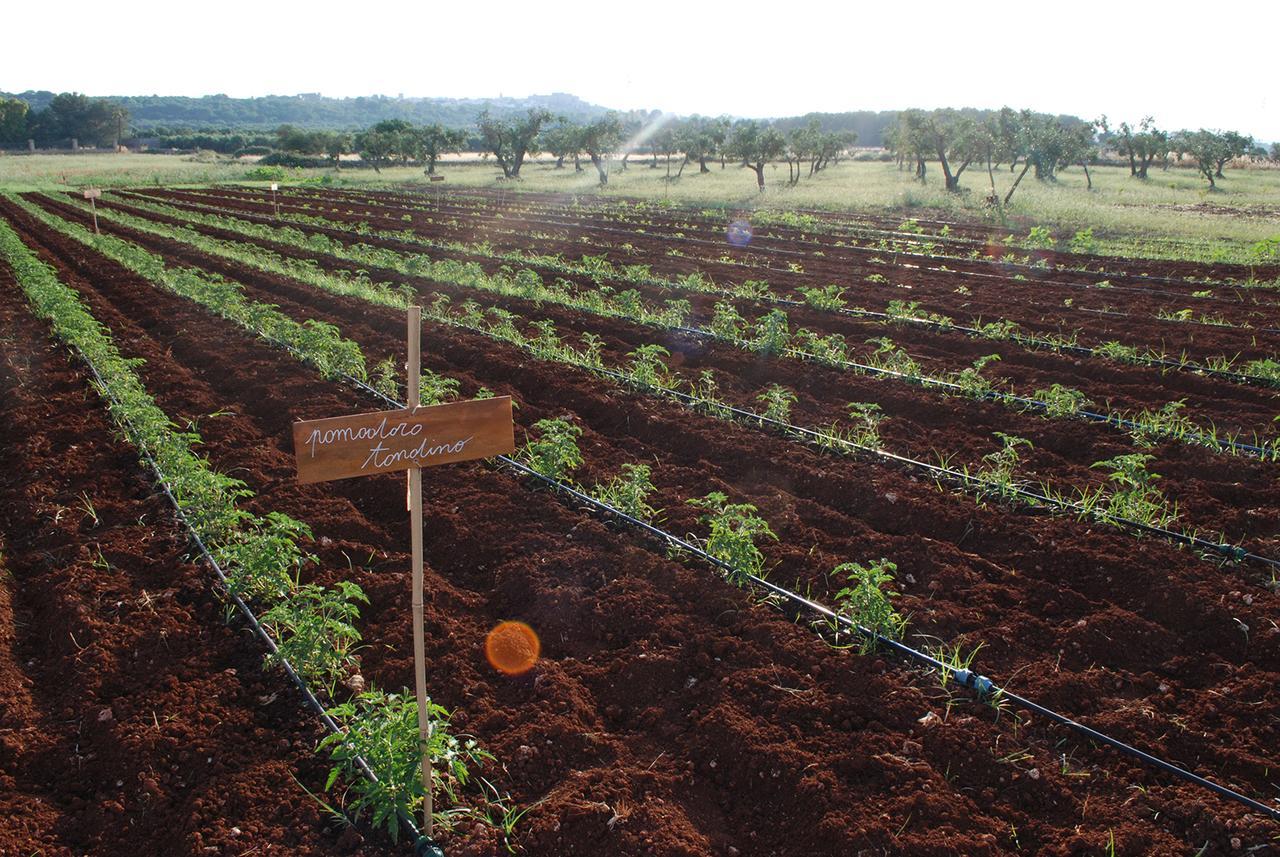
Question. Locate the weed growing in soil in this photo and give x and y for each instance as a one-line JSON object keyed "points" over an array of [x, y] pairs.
{"points": [[866, 602], [734, 529]]}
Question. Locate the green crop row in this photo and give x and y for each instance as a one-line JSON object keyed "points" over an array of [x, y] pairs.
{"points": [[262, 558]]}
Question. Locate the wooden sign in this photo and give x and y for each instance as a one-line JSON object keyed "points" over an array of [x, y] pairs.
{"points": [[274, 187], [92, 193], [386, 441]]}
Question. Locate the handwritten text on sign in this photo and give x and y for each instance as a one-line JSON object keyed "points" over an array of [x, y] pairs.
{"points": [[386, 441]]}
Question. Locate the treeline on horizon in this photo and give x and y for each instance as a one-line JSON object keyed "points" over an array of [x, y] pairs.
{"points": [[955, 139]]}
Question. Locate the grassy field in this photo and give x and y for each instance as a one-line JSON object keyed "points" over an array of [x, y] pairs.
{"points": [[1171, 214]]}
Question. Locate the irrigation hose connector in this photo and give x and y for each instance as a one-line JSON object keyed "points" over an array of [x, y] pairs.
{"points": [[979, 684]]}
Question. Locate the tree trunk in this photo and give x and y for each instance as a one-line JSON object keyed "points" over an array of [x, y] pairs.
{"points": [[683, 163], [1133, 166], [599, 165], [577, 167], [702, 164], [1008, 196], [431, 165], [1087, 178], [625, 155], [920, 169], [560, 162], [758, 166]]}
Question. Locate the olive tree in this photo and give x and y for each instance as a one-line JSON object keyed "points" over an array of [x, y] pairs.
{"points": [[511, 140], [435, 140], [755, 144], [1141, 145], [600, 139]]}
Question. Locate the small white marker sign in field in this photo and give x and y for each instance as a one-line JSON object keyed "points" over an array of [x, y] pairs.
{"points": [[91, 194]]}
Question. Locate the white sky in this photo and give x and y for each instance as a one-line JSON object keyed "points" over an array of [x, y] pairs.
{"points": [[1188, 66]]}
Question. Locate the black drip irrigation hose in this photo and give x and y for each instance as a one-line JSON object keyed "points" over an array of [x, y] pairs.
{"points": [[423, 846], [982, 686]]}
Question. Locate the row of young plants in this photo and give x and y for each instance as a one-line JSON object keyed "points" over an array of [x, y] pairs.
{"points": [[864, 596], [1134, 500], [1030, 340], [1044, 341], [770, 333], [909, 237], [733, 530], [314, 627], [828, 298]]}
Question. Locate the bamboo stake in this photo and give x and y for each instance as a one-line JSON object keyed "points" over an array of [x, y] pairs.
{"points": [[419, 641]]}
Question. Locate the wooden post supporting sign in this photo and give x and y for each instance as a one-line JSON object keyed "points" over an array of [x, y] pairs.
{"points": [[410, 439], [92, 194], [274, 202]]}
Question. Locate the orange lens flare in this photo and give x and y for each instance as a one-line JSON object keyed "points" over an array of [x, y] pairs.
{"points": [[512, 648]]}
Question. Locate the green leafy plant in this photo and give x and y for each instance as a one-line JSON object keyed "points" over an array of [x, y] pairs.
{"points": [[1000, 467], [778, 401], [1135, 495], [971, 381], [629, 491], [382, 728], [315, 631], [734, 530], [772, 332], [385, 378], [648, 366], [555, 452], [866, 602], [1061, 401], [830, 297], [866, 417], [726, 322]]}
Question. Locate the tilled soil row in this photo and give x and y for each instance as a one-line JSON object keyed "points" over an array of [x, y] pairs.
{"points": [[1214, 492], [133, 718], [1147, 688], [670, 716]]}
